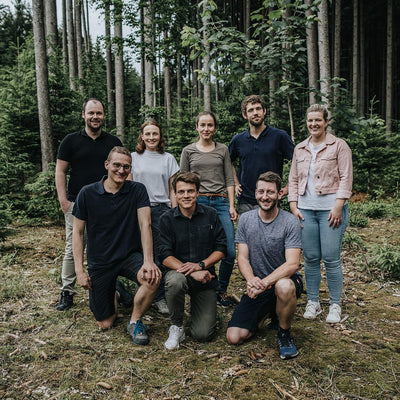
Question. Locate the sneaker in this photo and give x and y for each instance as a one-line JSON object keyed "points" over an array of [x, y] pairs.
{"points": [[176, 336], [334, 314], [287, 349], [138, 331], [66, 301], [313, 308], [161, 306], [224, 300], [125, 298]]}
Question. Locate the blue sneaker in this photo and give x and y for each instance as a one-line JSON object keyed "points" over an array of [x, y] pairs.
{"points": [[287, 349], [138, 331]]}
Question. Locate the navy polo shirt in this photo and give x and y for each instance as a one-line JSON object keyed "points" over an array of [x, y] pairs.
{"points": [[111, 221], [266, 153], [86, 158]]}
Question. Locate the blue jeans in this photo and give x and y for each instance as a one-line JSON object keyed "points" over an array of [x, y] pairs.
{"points": [[221, 205], [320, 241]]}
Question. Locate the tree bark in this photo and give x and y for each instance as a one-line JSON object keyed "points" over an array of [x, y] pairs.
{"points": [[119, 71], [64, 35], [355, 54], [362, 80], [86, 37], [109, 69], [312, 60], [43, 98], [71, 45], [50, 15], [337, 48], [206, 61], [389, 67], [78, 38], [179, 82], [148, 64], [323, 51], [167, 84]]}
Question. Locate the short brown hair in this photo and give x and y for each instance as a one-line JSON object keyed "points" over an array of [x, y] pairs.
{"points": [[187, 177], [271, 177], [318, 108], [141, 146], [119, 150], [94, 100], [254, 98]]}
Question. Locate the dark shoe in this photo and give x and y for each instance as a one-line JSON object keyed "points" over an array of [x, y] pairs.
{"points": [[66, 301], [138, 331], [224, 300], [287, 349], [161, 306], [125, 298]]}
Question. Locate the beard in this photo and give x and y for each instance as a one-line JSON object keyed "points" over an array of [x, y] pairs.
{"points": [[256, 124], [268, 206]]}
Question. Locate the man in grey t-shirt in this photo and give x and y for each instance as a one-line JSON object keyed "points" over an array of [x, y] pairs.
{"points": [[269, 246]]}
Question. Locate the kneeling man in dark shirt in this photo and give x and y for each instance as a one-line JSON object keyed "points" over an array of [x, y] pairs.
{"points": [[116, 213], [192, 242]]}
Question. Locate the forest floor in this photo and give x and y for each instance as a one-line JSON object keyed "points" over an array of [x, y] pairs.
{"points": [[46, 354]]}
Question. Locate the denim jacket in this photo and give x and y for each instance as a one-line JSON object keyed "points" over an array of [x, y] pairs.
{"points": [[333, 169]]}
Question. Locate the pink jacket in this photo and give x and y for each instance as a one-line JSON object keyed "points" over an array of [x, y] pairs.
{"points": [[333, 169]]}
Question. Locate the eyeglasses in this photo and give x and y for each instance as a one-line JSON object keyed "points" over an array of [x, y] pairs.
{"points": [[118, 166]]}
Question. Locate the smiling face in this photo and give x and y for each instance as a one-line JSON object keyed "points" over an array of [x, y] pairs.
{"points": [[206, 127], [267, 195], [118, 167], [186, 195], [151, 137], [316, 125], [255, 114], [93, 116]]}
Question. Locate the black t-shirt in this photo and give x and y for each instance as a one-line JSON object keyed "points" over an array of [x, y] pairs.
{"points": [[86, 158]]}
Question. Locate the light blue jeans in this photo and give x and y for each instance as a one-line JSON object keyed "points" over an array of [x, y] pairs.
{"points": [[221, 205], [320, 241]]}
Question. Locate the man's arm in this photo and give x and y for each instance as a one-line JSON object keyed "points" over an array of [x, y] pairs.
{"points": [[246, 270], [61, 184], [150, 269], [238, 186], [77, 249]]}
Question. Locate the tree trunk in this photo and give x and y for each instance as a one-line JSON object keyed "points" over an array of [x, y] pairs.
{"points": [[167, 84], [119, 71], [179, 83], [337, 48], [78, 37], [71, 46], [206, 61], [43, 98], [362, 80], [86, 37], [312, 56], [323, 51], [109, 69], [148, 65], [247, 26], [355, 54], [64, 35], [389, 66], [50, 13]]}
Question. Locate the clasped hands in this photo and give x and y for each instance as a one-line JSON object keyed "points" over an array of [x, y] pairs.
{"points": [[255, 286], [195, 271]]}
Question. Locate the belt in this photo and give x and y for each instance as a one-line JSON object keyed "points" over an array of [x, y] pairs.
{"points": [[213, 195]]}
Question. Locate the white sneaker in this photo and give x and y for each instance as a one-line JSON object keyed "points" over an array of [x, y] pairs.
{"points": [[313, 308], [176, 336], [161, 306], [334, 315]]}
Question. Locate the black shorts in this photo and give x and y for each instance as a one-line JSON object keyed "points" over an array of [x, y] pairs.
{"points": [[249, 312], [103, 279]]}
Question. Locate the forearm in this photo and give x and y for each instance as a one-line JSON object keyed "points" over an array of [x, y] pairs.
{"points": [[213, 258], [172, 262], [286, 270], [245, 269], [147, 242], [231, 195], [77, 249]]}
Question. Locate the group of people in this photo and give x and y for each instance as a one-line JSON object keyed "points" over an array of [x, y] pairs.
{"points": [[166, 226]]}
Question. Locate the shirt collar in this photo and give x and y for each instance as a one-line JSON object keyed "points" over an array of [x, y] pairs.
{"points": [[198, 210], [263, 133], [99, 187]]}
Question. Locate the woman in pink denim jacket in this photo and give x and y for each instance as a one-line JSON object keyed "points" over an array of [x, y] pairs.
{"points": [[320, 183]]}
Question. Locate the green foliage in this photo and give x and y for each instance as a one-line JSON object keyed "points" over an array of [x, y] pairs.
{"points": [[352, 241], [43, 204], [375, 210], [387, 259]]}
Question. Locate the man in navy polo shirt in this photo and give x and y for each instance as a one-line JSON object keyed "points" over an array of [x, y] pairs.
{"points": [[116, 214], [259, 149], [81, 153]]}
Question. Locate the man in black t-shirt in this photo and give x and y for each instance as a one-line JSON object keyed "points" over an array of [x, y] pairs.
{"points": [[82, 154]]}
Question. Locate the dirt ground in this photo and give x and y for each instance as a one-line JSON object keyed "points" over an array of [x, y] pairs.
{"points": [[46, 354]]}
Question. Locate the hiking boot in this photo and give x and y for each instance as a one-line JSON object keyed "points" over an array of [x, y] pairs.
{"points": [[287, 349], [161, 306], [125, 298], [138, 331], [334, 314], [313, 308], [176, 336], [224, 300], [66, 301]]}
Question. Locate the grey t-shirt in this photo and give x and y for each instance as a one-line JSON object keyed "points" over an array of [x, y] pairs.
{"points": [[267, 242]]}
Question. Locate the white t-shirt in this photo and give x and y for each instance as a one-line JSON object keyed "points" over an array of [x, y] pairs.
{"points": [[154, 170]]}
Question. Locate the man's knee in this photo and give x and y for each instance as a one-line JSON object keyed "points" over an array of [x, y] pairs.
{"points": [[107, 323], [285, 289], [236, 335], [175, 281], [202, 333]]}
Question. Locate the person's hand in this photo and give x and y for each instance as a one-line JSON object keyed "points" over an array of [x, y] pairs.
{"points": [[189, 267], [84, 280], [256, 283], [335, 217], [233, 213], [65, 205], [253, 292], [285, 191], [238, 189], [150, 273], [297, 213], [202, 276]]}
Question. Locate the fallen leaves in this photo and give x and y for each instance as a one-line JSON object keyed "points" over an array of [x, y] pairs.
{"points": [[105, 385]]}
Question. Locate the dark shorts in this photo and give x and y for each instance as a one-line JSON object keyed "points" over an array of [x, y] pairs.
{"points": [[103, 279], [249, 312]]}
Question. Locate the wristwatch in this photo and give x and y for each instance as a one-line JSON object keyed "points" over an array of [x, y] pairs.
{"points": [[202, 265]]}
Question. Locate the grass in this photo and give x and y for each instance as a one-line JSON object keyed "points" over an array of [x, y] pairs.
{"points": [[62, 355]]}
